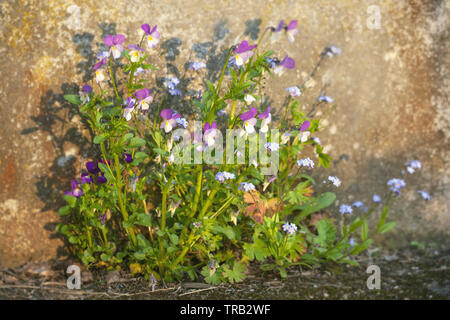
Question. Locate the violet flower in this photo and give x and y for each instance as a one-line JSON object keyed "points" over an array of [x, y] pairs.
{"points": [[102, 217], [249, 120], [76, 190], [135, 52], [152, 35], [127, 157], [266, 118], [291, 30], [129, 108], [85, 177], [85, 92], [286, 63], [210, 132], [243, 52], [115, 44], [99, 75], [169, 119], [304, 135], [276, 32], [143, 99]]}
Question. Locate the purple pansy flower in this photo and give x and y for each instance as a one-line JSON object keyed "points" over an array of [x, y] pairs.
{"points": [[286, 63], [127, 157], [169, 119], [76, 190], [210, 132], [99, 76], [266, 118], [85, 177], [249, 120], [305, 125], [276, 32], [115, 43], [135, 52], [129, 108], [291, 30], [152, 35], [85, 92], [102, 217], [143, 98], [243, 52]]}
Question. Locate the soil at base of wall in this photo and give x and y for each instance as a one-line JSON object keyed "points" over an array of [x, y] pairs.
{"points": [[405, 274]]}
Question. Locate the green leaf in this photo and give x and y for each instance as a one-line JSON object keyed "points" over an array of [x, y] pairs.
{"points": [[63, 211], [323, 201], [143, 220], [383, 217], [227, 231], [73, 98], [105, 257], [360, 248], [100, 138], [364, 229], [256, 250], [386, 227], [236, 274], [71, 200], [136, 142]]}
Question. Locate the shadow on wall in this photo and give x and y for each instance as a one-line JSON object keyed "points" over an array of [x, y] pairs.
{"points": [[56, 114]]}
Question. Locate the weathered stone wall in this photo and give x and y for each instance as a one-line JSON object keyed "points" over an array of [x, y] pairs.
{"points": [[390, 85]]}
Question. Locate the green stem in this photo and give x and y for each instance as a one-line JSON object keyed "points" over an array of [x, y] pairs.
{"points": [[121, 203], [112, 78]]}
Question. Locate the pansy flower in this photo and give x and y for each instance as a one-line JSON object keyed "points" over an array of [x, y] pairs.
{"points": [[99, 75], [305, 134], [85, 92], [127, 157], [294, 91], [276, 32], [143, 98], [243, 52], [85, 177], [152, 35], [291, 30], [135, 52], [114, 42], [169, 119], [129, 108], [325, 99], [249, 120], [285, 137], [286, 63], [76, 190], [266, 118], [210, 132], [94, 171], [272, 62], [352, 242], [249, 99]]}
